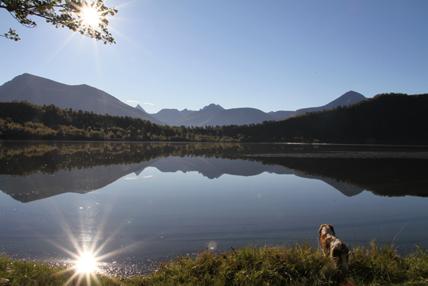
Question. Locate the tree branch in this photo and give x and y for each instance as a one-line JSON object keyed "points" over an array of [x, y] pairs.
{"points": [[60, 13]]}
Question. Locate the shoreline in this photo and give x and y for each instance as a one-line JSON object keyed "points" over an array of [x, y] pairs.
{"points": [[416, 146], [295, 265]]}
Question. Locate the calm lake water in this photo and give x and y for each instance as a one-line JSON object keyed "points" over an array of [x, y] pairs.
{"points": [[148, 202]]}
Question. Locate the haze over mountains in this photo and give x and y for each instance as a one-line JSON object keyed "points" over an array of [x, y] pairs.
{"points": [[42, 91]]}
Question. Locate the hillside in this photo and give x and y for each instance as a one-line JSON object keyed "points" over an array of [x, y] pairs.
{"points": [[41, 91], [347, 99], [385, 119]]}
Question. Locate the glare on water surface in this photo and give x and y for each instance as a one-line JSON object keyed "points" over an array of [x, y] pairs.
{"points": [[86, 263]]}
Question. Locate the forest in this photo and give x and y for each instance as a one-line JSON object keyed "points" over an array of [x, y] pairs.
{"points": [[385, 119], [21, 120]]}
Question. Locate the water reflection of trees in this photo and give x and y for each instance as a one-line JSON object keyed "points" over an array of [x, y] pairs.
{"points": [[19, 158], [383, 175], [23, 158]]}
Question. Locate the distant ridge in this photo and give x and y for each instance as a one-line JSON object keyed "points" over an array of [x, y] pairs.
{"points": [[42, 91], [216, 115], [212, 115]]}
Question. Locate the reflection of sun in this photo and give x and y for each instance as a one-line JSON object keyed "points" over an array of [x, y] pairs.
{"points": [[88, 260], [87, 257], [86, 263], [85, 267], [90, 16]]}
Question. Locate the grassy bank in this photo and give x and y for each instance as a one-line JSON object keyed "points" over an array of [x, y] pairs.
{"points": [[299, 265]]}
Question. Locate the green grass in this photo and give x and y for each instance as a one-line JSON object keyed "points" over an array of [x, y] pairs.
{"points": [[298, 265]]}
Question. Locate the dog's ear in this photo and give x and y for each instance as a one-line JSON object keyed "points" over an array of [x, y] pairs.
{"points": [[332, 229], [320, 229]]}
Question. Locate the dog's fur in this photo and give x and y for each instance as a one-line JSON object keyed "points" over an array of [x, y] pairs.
{"points": [[333, 247]]}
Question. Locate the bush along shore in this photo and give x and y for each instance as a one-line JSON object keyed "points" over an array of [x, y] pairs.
{"points": [[297, 265]]}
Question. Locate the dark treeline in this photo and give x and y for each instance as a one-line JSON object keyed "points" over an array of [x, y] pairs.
{"points": [[385, 119], [21, 120]]}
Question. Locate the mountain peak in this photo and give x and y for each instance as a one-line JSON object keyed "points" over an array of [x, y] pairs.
{"points": [[348, 98], [27, 78], [24, 76], [139, 108], [354, 94], [212, 107]]}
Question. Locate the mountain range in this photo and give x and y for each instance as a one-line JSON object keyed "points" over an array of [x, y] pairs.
{"points": [[41, 91], [215, 115]]}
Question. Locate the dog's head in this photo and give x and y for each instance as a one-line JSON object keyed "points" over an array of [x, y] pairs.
{"points": [[340, 254], [326, 229]]}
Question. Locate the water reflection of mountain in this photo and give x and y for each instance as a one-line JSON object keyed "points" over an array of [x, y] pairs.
{"points": [[30, 173], [39, 185], [35, 186], [213, 168]]}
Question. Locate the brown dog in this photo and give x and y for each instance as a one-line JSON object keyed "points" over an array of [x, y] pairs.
{"points": [[333, 247]]}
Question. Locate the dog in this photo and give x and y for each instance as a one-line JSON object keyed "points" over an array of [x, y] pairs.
{"points": [[333, 247]]}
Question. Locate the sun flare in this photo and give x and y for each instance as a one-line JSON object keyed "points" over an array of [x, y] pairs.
{"points": [[90, 16], [86, 263]]}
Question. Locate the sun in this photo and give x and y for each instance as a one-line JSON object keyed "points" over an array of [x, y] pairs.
{"points": [[90, 16], [86, 263]]}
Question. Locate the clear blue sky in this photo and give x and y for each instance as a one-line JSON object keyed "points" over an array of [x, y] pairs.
{"points": [[272, 55]]}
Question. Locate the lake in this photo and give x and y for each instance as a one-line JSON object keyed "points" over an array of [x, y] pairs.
{"points": [[142, 203]]}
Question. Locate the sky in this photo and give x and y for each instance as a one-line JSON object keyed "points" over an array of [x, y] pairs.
{"points": [[271, 55]]}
